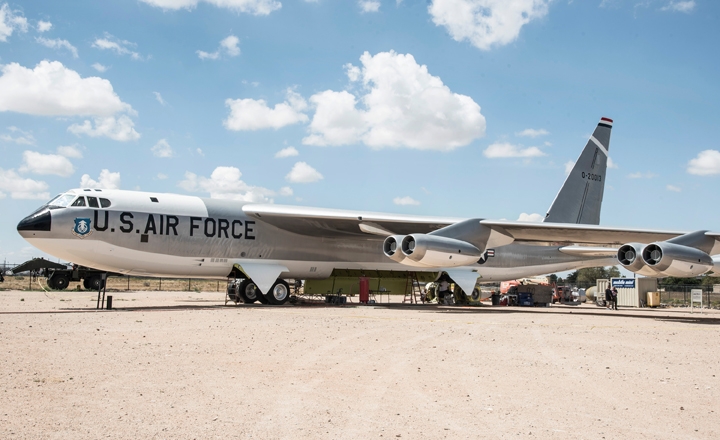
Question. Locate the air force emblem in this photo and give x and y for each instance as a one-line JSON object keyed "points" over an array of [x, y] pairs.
{"points": [[82, 227]]}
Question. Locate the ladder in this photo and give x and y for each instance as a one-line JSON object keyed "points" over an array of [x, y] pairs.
{"points": [[413, 291]]}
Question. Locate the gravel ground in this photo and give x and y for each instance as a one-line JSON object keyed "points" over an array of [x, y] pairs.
{"points": [[183, 365]]}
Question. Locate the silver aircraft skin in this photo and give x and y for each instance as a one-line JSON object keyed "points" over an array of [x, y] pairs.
{"points": [[170, 235]]}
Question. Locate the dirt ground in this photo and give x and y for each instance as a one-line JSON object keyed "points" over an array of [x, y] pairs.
{"points": [[183, 365]]}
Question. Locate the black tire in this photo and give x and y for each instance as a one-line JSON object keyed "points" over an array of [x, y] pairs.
{"points": [[248, 292], [94, 283], [279, 293], [86, 285], [51, 283], [59, 281]]}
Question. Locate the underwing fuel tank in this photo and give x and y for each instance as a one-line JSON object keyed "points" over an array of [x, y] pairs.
{"points": [[437, 251]]}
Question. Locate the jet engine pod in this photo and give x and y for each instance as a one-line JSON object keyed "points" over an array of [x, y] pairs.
{"points": [[436, 251], [391, 249], [674, 260]]}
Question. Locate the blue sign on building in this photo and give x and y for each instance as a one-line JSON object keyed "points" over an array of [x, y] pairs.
{"points": [[625, 283]]}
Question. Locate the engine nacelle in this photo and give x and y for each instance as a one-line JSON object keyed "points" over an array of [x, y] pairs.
{"points": [[436, 251], [391, 249], [674, 260], [630, 257]]}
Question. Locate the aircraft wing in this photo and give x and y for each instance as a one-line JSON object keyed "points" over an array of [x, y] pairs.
{"points": [[321, 222], [570, 233]]}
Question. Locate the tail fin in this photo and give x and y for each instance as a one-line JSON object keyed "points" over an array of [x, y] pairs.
{"points": [[580, 198]]}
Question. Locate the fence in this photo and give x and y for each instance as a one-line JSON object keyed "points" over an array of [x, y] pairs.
{"points": [[37, 283], [680, 295]]}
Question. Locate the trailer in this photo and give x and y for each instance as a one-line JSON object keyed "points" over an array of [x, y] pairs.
{"points": [[59, 276]]}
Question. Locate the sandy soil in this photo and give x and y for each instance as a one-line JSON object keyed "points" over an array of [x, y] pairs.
{"points": [[183, 365]]}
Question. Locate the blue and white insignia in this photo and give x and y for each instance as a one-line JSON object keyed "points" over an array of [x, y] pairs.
{"points": [[82, 227]]}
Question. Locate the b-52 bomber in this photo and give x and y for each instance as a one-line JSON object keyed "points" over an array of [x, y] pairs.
{"points": [[170, 235]]}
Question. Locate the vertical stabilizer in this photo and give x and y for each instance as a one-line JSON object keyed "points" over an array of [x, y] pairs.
{"points": [[580, 198]]}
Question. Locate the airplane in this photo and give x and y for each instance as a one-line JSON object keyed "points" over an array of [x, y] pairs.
{"points": [[171, 235]]}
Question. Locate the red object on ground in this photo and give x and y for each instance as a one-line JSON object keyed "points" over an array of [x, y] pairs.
{"points": [[364, 290]]}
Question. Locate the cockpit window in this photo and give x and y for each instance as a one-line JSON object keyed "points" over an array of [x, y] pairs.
{"points": [[61, 201], [93, 202], [79, 202], [105, 203]]}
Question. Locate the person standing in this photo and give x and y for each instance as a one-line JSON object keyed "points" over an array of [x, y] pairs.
{"points": [[608, 298], [614, 297]]}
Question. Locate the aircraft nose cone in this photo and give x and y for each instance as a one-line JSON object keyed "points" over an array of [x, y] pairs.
{"points": [[39, 221]]}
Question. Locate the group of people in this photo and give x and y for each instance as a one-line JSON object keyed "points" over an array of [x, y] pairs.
{"points": [[611, 298]]}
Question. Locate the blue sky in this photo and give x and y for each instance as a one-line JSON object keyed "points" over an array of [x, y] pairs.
{"points": [[441, 107]]}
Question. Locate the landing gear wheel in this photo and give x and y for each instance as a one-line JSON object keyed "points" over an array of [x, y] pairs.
{"points": [[279, 293], [475, 294], [94, 283], [248, 292], [60, 282]]}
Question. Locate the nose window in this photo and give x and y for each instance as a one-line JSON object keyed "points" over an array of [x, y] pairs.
{"points": [[93, 202], [105, 203], [79, 202]]}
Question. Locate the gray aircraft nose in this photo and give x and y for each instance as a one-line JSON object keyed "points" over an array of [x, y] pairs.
{"points": [[37, 221]]}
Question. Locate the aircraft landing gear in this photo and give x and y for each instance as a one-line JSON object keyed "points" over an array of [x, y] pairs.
{"points": [[247, 292], [279, 293]]}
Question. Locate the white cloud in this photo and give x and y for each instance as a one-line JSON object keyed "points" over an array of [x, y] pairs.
{"points": [[569, 166], [404, 106], [22, 137], [200, 152], [505, 149], [120, 47], [673, 188], [525, 217], [99, 67], [162, 149], [286, 191], [225, 183], [231, 45], [70, 151], [20, 188], [38, 163], [610, 163], [403, 201], [533, 133], [161, 176], [679, 6], [287, 152], [43, 26], [207, 55], [303, 173], [10, 22], [51, 89], [641, 175], [369, 5], [159, 98], [106, 180], [255, 7], [705, 164], [228, 46], [486, 23], [58, 44], [252, 114], [118, 129]]}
